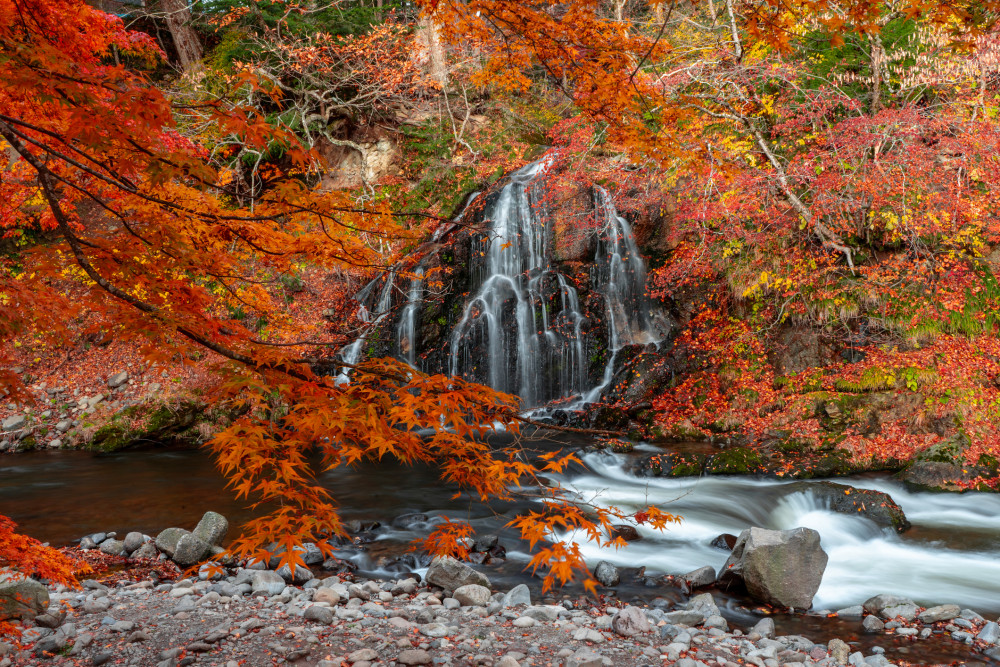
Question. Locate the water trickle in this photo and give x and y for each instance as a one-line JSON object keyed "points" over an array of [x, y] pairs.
{"points": [[352, 353], [406, 333], [520, 333]]}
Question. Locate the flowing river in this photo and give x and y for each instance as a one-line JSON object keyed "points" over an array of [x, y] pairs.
{"points": [[949, 555]]}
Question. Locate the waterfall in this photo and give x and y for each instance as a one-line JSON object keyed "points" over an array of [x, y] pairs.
{"points": [[520, 333], [406, 333], [621, 276], [352, 353]]}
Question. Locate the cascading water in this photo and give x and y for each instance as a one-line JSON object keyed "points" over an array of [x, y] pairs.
{"points": [[621, 274], [948, 556], [352, 353], [406, 333], [520, 333]]}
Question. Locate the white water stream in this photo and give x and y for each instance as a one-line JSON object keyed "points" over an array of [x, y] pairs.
{"points": [[865, 559]]}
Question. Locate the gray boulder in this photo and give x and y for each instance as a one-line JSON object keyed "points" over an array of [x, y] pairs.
{"points": [[607, 574], [872, 625], [451, 574], [267, 582], [118, 379], [472, 595], [21, 598], [519, 595], [133, 541], [113, 547], [319, 614], [630, 621], [779, 567], [167, 540], [212, 528], [944, 612], [14, 423], [703, 576], [190, 549], [147, 550], [876, 603], [301, 575]]}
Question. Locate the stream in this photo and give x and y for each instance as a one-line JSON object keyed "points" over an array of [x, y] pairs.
{"points": [[949, 555]]}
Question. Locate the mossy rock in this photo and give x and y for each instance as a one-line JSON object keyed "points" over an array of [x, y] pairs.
{"points": [[951, 450], [735, 461], [147, 423], [674, 464]]}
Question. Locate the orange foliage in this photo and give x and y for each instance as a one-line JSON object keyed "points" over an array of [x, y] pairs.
{"points": [[155, 236]]}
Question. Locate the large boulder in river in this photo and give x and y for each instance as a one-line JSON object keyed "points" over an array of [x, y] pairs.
{"points": [[451, 574], [191, 549], [168, 538], [941, 476], [21, 597], [780, 567], [873, 505], [212, 528]]}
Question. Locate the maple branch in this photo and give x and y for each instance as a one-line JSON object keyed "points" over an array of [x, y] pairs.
{"points": [[827, 236], [45, 177]]}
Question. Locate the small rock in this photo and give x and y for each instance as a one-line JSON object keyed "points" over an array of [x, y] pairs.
{"points": [[607, 574], [64, 425], [362, 655], [524, 622], [319, 614], [133, 541], [872, 625], [327, 595], [472, 595], [839, 651], [857, 611], [507, 661], [764, 628], [630, 621], [167, 540], [14, 423], [100, 658], [301, 575], [113, 547], [990, 633], [703, 576], [519, 595], [585, 658], [118, 379], [267, 582], [190, 549], [147, 550], [451, 574], [414, 656], [944, 612]]}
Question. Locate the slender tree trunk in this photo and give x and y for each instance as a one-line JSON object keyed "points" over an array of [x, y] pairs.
{"points": [[430, 36], [878, 61], [177, 14]]}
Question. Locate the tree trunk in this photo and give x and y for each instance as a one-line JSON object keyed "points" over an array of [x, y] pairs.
{"points": [[429, 35], [177, 14]]}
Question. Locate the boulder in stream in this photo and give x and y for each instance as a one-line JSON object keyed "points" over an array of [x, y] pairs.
{"points": [[212, 528], [607, 574], [876, 506], [190, 549], [780, 567], [168, 538]]}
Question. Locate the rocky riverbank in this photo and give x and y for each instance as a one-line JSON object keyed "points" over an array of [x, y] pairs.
{"points": [[253, 618]]}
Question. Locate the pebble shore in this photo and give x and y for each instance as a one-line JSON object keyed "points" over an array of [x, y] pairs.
{"points": [[252, 618]]}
